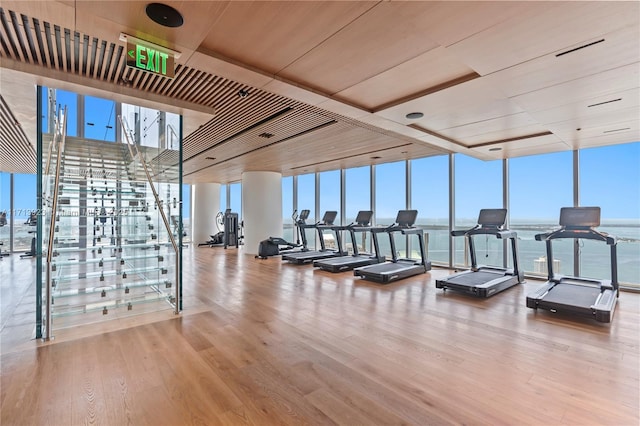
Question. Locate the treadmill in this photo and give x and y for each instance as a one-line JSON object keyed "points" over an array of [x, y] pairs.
{"points": [[485, 281], [397, 268], [326, 224], [592, 298], [357, 259]]}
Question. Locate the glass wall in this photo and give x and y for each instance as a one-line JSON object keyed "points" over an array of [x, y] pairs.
{"points": [[307, 200], [288, 229], [70, 100], [108, 230], [357, 188], [609, 178], [430, 196], [235, 199], [535, 199], [478, 185], [5, 212], [223, 198], [99, 119], [24, 203], [390, 187], [330, 201]]}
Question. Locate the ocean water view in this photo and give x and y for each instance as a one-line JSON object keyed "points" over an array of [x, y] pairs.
{"points": [[594, 255]]}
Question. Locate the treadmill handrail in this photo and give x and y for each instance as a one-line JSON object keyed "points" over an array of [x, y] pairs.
{"points": [[587, 234]]}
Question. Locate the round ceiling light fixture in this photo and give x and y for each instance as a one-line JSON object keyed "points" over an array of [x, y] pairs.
{"points": [[414, 115], [164, 15]]}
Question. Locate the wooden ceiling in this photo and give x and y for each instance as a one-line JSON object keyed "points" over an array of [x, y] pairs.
{"points": [[330, 83]]}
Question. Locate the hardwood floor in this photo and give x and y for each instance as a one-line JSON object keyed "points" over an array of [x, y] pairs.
{"points": [[262, 342]]}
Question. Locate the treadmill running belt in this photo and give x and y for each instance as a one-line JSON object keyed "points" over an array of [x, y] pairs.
{"points": [[572, 295], [474, 278]]}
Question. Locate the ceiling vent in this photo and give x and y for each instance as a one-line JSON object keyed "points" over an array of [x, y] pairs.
{"points": [[266, 135], [579, 47], [605, 102]]}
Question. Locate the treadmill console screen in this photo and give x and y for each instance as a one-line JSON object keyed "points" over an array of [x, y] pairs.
{"points": [[329, 217], [304, 215], [580, 217], [406, 217], [492, 217], [364, 217]]}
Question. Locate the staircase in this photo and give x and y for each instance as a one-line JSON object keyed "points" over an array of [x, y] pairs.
{"points": [[108, 249]]}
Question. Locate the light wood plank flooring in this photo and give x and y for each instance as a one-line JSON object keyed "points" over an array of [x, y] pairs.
{"points": [[262, 343]]}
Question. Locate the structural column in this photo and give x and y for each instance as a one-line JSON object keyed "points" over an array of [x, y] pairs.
{"points": [[261, 208], [206, 205]]}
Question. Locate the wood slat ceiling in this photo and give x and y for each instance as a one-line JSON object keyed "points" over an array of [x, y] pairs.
{"points": [[17, 154], [333, 81]]}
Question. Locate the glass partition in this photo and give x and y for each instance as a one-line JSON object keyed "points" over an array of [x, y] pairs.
{"points": [[110, 216]]}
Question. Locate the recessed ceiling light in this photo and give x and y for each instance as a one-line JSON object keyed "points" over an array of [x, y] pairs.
{"points": [[164, 15], [414, 115], [376, 157], [243, 93], [495, 149]]}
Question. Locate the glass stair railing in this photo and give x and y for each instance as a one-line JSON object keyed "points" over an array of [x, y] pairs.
{"points": [[108, 248]]}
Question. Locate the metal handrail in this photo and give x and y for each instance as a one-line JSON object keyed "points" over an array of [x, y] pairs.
{"points": [[176, 249], [62, 121], [174, 134]]}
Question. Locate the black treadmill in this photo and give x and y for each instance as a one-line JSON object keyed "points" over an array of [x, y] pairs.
{"points": [[485, 281], [575, 295], [397, 268], [326, 224], [345, 263]]}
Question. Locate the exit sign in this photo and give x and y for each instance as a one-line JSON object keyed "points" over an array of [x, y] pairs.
{"points": [[149, 57]]}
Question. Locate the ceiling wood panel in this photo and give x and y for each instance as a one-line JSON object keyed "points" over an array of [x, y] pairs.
{"points": [[601, 84], [620, 48], [356, 53], [538, 32], [426, 71], [272, 35]]}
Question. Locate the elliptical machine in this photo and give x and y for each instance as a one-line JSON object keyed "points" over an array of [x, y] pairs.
{"points": [[273, 246]]}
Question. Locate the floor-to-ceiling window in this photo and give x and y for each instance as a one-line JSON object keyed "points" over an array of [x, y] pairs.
{"points": [[70, 100], [330, 201], [478, 185], [24, 204], [430, 196], [307, 200], [99, 119], [235, 199], [5, 211], [539, 185], [609, 178], [287, 210], [357, 188], [391, 190]]}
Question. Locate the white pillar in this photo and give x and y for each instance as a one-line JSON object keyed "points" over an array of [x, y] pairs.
{"points": [[261, 208], [206, 205]]}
